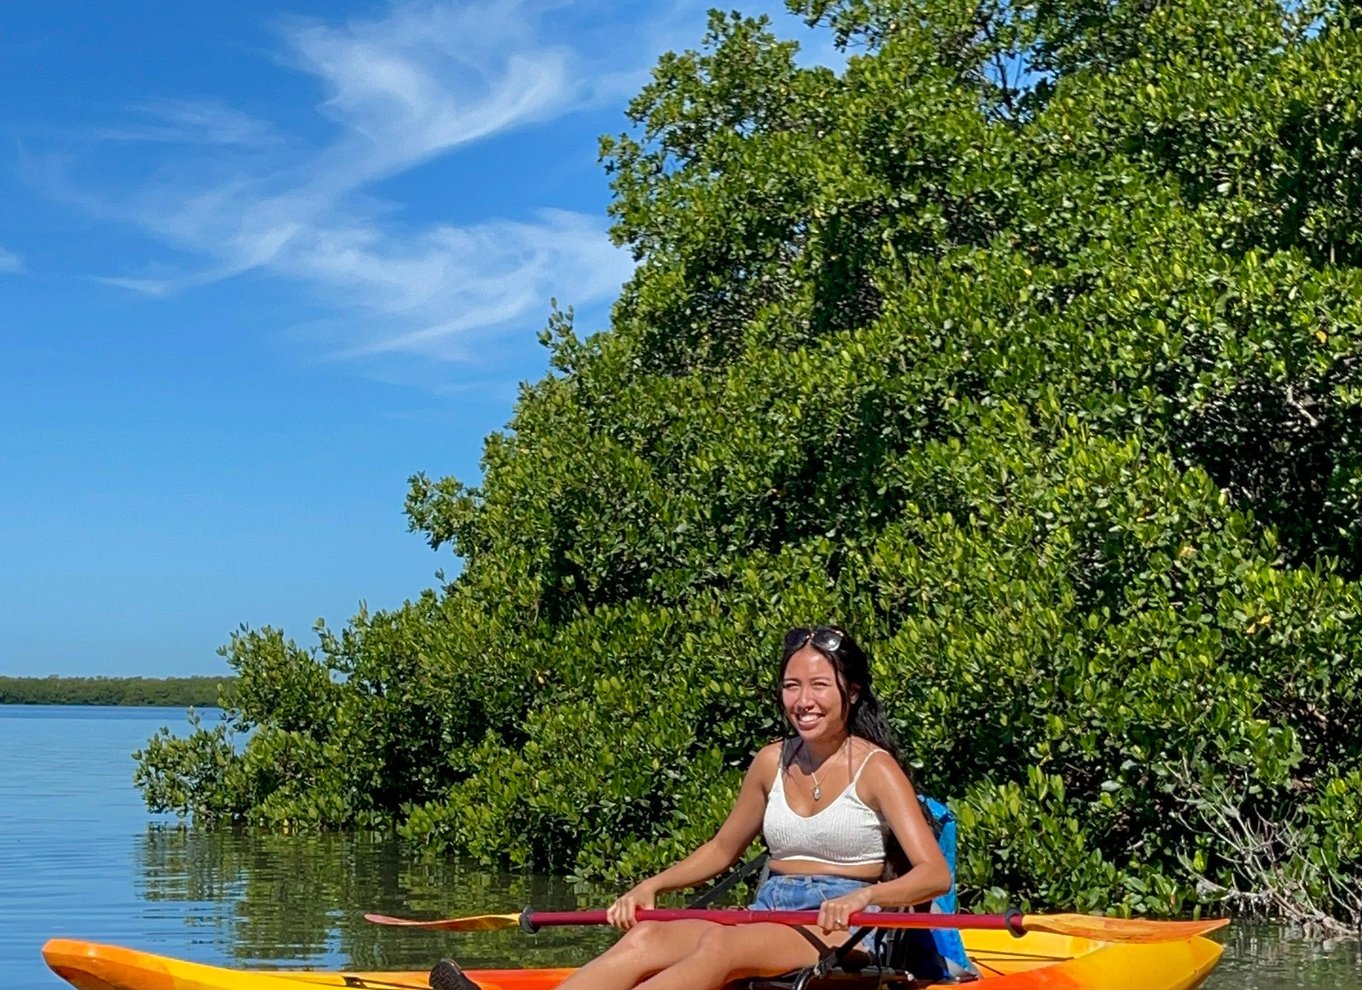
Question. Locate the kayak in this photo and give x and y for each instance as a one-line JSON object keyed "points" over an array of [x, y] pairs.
{"points": [[1036, 961]]}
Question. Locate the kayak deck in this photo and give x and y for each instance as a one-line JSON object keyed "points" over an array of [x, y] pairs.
{"points": [[1042, 961], [1037, 961], [92, 966]]}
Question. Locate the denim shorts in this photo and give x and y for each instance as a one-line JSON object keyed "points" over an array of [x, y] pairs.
{"points": [[802, 892]]}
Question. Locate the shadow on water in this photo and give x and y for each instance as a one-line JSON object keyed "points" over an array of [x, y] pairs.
{"points": [[299, 900]]}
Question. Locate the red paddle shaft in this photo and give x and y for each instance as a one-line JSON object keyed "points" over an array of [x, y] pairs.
{"points": [[1011, 921], [1095, 929]]}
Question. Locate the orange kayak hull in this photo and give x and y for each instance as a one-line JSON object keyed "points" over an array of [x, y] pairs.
{"points": [[1037, 961]]}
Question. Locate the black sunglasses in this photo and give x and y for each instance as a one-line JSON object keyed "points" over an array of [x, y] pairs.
{"points": [[824, 638]]}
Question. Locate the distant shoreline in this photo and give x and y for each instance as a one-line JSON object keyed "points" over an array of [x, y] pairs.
{"points": [[131, 692]]}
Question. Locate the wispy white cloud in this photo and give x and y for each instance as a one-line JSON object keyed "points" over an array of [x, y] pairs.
{"points": [[500, 272], [188, 122], [431, 77], [10, 263], [423, 81], [234, 193]]}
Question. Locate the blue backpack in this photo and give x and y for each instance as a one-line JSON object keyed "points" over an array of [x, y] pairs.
{"points": [[936, 954]]}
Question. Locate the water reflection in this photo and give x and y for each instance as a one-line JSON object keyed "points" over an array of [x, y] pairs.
{"points": [[1265, 957], [298, 900]]}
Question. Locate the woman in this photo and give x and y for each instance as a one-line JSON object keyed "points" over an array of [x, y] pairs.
{"points": [[827, 800]]}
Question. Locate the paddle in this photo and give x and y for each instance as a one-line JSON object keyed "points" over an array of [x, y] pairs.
{"points": [[1077, 925]]}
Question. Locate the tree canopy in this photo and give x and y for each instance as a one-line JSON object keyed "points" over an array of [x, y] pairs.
{"points": [[1025, 344]]}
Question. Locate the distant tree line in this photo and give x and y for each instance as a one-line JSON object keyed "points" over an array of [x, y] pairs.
{"points": [[199, 692]]}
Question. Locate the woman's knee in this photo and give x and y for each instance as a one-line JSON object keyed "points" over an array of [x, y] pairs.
{"points": [[717, 942], [645, 937], [729, 953]]}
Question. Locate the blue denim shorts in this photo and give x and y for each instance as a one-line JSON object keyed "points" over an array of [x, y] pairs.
{"points": [[801, 892]]}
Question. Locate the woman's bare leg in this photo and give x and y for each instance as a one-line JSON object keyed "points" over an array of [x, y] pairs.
{"points": [[645, 949], [721, 954]]}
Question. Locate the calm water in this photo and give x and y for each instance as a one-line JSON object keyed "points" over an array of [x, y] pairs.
{"points": [[80, 857]]}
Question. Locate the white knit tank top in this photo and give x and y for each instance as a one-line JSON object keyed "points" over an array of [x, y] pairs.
{"points": [[848, 832]]}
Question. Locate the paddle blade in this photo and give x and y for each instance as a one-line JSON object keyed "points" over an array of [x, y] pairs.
{"points": [[476, 923], [1120, 929]]}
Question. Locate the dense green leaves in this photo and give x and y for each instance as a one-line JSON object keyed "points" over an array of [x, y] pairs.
{"points": [[1026, 344]]}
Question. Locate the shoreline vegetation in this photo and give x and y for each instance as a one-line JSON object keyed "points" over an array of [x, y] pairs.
{"points": [[139, 692], [1025, 343]]}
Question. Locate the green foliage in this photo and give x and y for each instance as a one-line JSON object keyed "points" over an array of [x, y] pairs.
{"points": [[176, 692], [1026, 345]]}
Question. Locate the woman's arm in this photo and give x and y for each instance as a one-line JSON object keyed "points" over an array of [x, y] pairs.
{"points": [[885, 787], [733, 838]]}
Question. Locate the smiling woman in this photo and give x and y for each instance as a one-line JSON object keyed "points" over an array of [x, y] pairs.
{"points": [[831, 801]]}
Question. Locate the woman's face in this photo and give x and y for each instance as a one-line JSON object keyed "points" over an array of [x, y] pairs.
{"points": [[809, 694]]}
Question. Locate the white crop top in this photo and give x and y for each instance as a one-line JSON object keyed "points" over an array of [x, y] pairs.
{"points": [[848, 832]]}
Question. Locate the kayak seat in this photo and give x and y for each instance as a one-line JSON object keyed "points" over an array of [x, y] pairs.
{"points": [[897, 958], [864, 960], [852, 964]]}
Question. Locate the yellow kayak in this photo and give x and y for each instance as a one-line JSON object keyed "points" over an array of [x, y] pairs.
{"points": [[1036, 961]]}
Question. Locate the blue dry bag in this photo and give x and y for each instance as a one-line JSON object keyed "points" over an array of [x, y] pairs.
{"points": [[937, 954]]}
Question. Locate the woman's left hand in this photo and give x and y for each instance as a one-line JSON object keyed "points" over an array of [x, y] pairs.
{"points": [[833, 915]]}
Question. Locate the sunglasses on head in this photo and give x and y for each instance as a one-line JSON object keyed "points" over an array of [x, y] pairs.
{"points": [[824, 638]]}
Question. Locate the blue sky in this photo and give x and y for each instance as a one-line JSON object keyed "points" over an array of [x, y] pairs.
{"points": [[258, 265]]}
